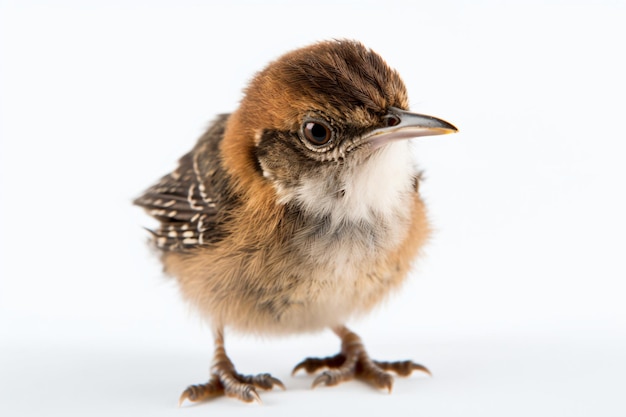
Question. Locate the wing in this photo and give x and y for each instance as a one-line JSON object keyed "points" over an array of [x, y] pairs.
{"points": [[189, 201]]}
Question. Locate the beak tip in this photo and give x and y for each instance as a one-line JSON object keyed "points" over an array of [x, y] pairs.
{"points": [[448, 127]]}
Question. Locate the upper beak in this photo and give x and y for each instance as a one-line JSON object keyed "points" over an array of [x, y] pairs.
{"points": [[406, 125]]}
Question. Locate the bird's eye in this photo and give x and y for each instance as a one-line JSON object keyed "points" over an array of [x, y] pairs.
{"points": [[317, 133]]}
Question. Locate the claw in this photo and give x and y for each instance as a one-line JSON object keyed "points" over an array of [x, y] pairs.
{"points": [[255, 396], [403, 368], [389, 386], [267, 382], [182, 398], [244, 391], [186, 395], [263, 381], [278, 383], [311, 365], [323, 378], [382, 381], [297, 368], [418, 367], [200, 392]]}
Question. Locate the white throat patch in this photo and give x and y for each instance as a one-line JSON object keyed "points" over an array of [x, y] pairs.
{"points": [[377, 187]]}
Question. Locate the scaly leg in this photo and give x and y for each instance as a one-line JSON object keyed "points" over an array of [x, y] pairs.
{"points": [[354, 363], [226, 381]]}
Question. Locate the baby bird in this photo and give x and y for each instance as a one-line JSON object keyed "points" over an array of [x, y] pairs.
{"points": [[298, 211]]}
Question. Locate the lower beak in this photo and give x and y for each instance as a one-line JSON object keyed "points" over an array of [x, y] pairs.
{"points": [[406, 125]]}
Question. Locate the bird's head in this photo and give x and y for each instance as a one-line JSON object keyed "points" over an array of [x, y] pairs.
{"points": [[318, 112]]}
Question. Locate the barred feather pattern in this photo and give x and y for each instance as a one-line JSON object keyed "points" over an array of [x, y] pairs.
{"points": [[188, 201]]}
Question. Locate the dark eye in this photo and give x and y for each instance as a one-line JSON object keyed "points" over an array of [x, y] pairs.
{"points": [[317, 133]]}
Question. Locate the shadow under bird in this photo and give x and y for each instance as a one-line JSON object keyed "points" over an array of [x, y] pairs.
{"points": [[298, 211]]}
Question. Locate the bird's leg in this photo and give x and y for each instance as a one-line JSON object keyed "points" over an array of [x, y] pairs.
{"points": [[353, 362], [226, 381]]}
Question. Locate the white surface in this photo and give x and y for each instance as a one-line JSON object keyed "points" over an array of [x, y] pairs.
{"points": [[517, 306]]}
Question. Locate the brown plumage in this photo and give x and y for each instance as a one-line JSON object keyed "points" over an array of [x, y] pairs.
{"points": [[299, 210]]}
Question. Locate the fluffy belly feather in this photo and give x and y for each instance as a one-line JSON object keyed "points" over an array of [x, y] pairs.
{"points": [[276, 290], [319, 265]]}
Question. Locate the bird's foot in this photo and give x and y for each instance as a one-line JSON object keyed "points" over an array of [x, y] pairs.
{"points": [[226, 381], [354, 363]]}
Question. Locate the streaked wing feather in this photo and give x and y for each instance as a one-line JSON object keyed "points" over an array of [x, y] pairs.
{"points": [[187, 201]]}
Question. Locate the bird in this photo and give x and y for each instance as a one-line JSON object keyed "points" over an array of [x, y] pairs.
{"points": [[298, 212]]}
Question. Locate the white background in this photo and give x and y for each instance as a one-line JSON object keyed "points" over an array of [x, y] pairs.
{"points": [[518, 306]]}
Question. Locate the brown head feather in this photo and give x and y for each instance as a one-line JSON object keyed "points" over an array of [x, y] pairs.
{"points": [[341, 78]]}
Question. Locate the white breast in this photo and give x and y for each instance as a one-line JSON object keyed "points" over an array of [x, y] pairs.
{"points": [[373, 211]]}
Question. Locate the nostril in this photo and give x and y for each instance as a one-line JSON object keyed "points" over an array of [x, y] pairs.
{"points": [[391, 120]]}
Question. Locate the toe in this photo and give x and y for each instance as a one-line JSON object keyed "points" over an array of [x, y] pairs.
{"points": [[324, 378], [244, 392], [201, 392], [263, 381], [311, 365], [402, 368], [333, 377], [381, 380]]}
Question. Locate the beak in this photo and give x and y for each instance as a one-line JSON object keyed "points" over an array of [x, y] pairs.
{"points": [[405, 125]]}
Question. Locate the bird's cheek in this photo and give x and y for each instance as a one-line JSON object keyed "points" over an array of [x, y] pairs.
{"points": [[268, 172]]}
